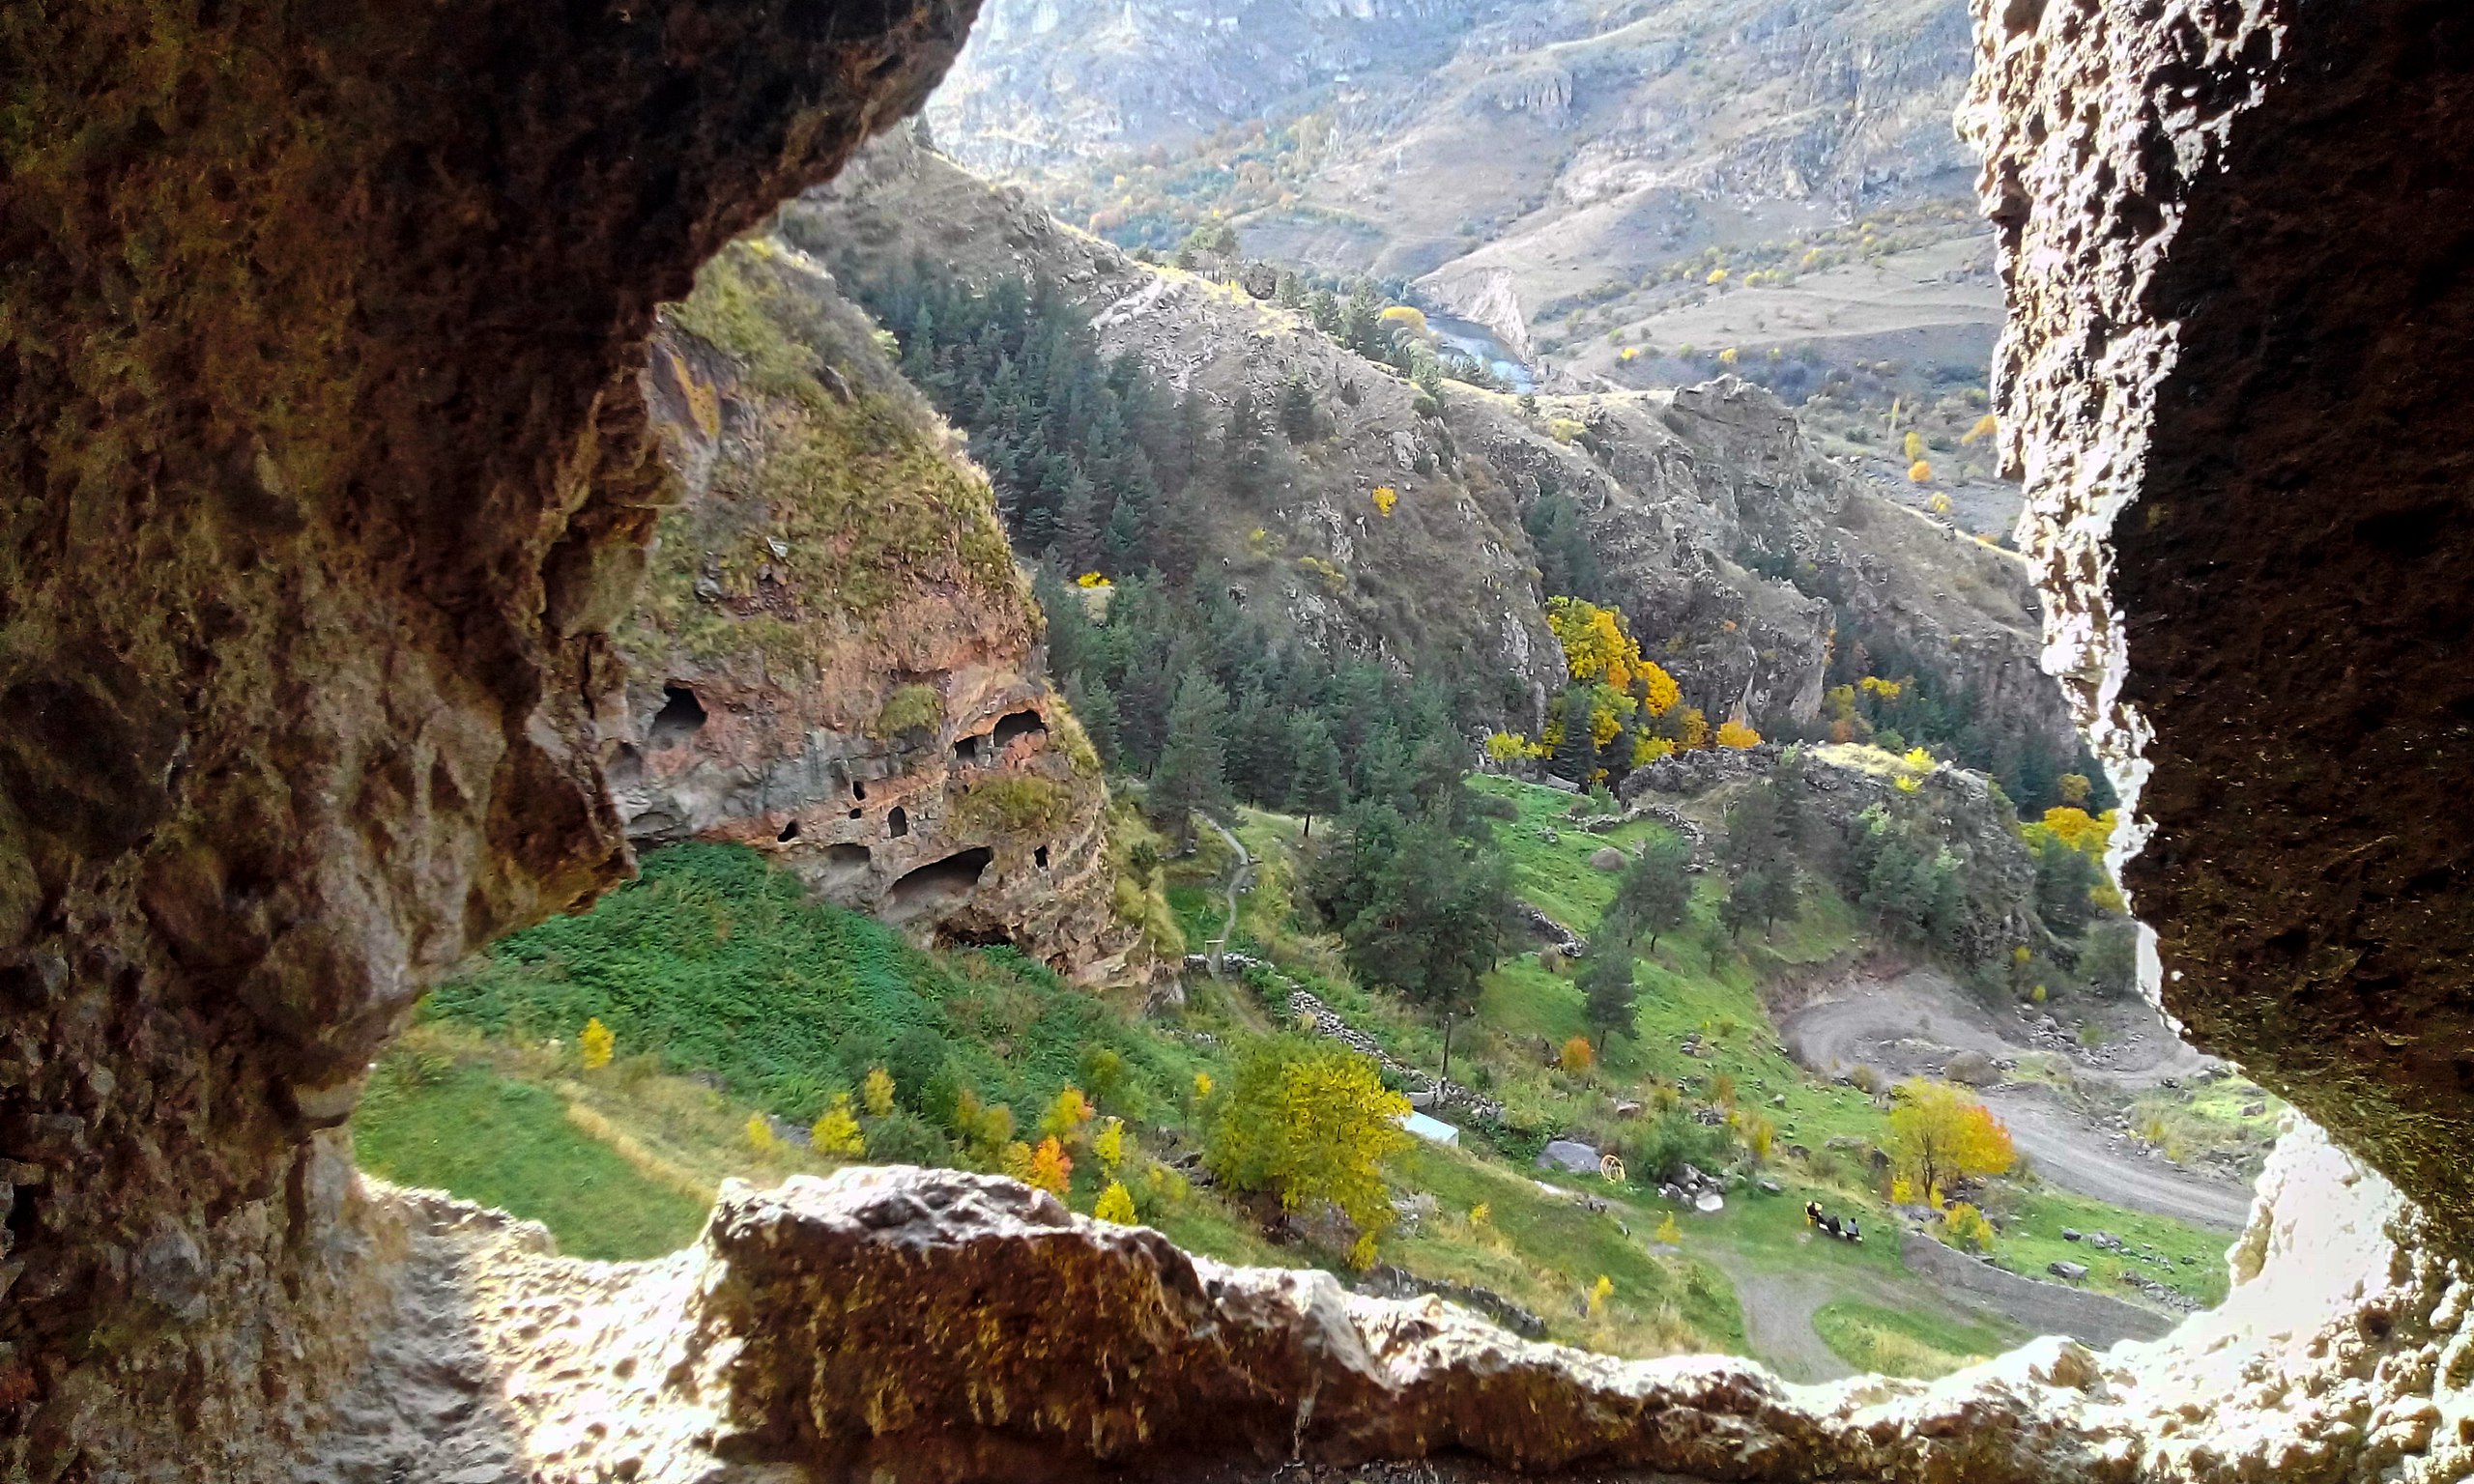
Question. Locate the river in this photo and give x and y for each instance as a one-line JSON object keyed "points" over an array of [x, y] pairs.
{"points": [[1479, 343]]}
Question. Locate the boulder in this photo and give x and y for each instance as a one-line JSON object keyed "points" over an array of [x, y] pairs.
{"points": [[1708, 1201], [1606, 858], [1569, 1154], [2071, 1271]]}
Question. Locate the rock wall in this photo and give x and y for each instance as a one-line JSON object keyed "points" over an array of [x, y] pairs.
{"points": [[933, 1326], [328, 478], [835, 660], [2232, 235]]}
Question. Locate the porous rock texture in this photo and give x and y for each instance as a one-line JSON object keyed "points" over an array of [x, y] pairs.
{"points": [[894, 1324], [326, 477], [2234, 235], [834, 660]]}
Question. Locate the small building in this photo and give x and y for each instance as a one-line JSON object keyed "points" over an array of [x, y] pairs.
{"points": [[1433, 1131]]}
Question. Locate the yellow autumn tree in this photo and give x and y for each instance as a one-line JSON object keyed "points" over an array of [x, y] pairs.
{"points": [[759, 1134], [875, 1093], [1115, 1205], [1968, 1227], [2087, 834], [1736, 734], [1066, 1116], [1596, 646], [1576, 1055], [836, 1131], [1598, 1292], [1385, 497], [1985, 427], [1914, 444], [1919, 472], [1312, 1121], [598, 1044], [1110, 1145], [1940, 1133], [1693, 729]]}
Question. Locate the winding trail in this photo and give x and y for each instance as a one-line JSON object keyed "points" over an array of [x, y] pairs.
{"points": [[1240, 880], [1913, 1023]]}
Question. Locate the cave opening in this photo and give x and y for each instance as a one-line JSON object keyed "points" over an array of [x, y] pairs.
{"points": [[938, 884], [1025, 723], [897, 822], [790, 832], [681, 716]]}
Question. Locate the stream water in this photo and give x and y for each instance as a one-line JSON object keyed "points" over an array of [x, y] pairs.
{"points": [[1479, 343]]}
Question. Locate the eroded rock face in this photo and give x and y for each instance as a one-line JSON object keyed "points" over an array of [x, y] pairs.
{"points": [[2232, 236], [835, 660], [328, 476], [927, 1324]]}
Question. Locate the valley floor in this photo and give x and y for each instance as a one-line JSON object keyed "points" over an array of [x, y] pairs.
{"points": [[488, 1099]]}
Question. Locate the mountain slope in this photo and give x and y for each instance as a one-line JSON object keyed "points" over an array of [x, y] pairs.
{"points": [[1747, 565]]}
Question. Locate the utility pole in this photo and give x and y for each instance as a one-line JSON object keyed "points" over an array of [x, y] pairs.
{"points": [[1446, 1079]]}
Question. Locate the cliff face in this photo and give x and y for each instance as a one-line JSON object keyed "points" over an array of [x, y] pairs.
{"points": [[2247, 468], [1678, 490], [328, 477], [835, 660]]}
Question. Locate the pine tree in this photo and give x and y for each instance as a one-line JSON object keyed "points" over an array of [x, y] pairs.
{"points": [[1655, 894], [1435, 919], [1298, 414], [1314, 780], [1608, 989], [1745, 902], [1191, 771]]}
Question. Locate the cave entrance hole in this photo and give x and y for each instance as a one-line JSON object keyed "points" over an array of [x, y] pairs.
{"points": [[938, 884], [681, 716]]}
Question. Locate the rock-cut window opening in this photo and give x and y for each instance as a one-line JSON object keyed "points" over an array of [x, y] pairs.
{"points": [[790, 832], [681, 716], [1025, 723], [938, 883], [897, 823], [967, 749]]}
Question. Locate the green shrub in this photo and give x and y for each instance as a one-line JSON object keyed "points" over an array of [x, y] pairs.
{"points": [[1016, 803], [911, 708]]}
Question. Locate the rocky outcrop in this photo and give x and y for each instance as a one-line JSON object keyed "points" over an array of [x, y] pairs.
{"points": [[927, 1324], [2229, 235], [328, 476], [835, 661]]}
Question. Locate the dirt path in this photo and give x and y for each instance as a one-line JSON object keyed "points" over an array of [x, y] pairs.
{"points": [[1240, 880], [1913, 1023], [2070, 1152], [1778, 1310]]}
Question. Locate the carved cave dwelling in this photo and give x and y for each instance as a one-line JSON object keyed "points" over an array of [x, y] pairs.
{"points": [[331, 480]]}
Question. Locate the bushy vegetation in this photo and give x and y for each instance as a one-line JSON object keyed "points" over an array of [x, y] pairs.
{"points": [[716, 962]]}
